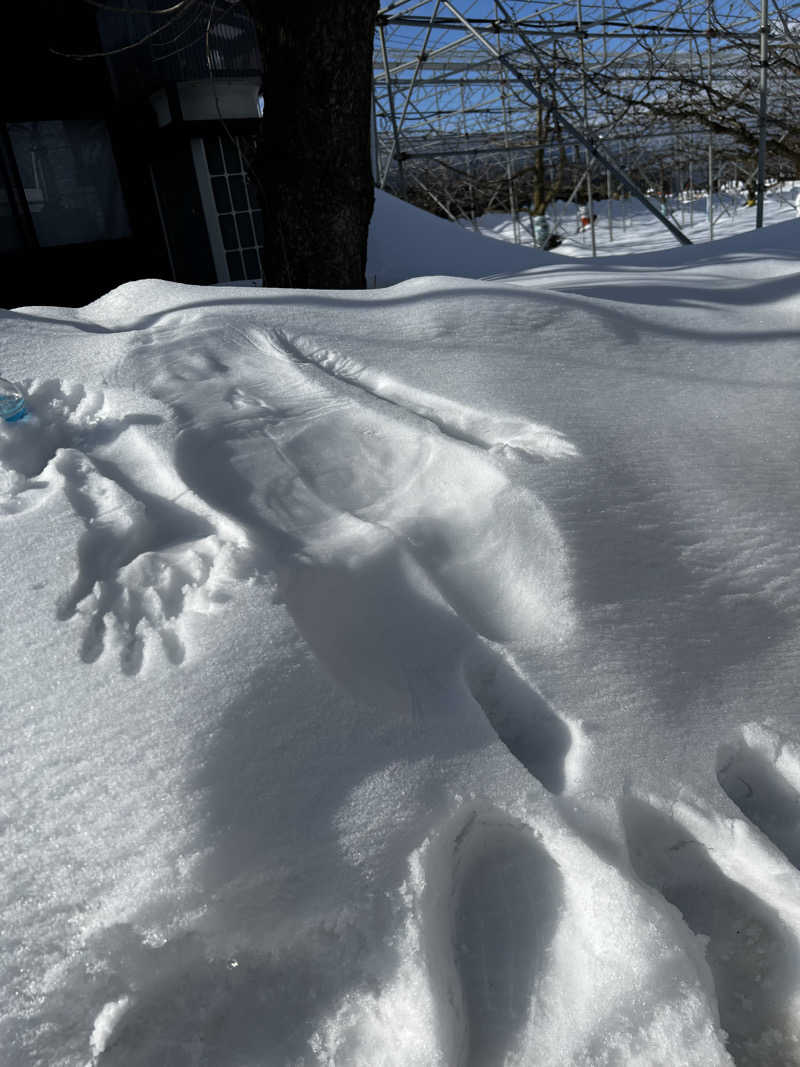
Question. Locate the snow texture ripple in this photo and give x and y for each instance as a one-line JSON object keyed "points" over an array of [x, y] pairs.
{"points": [[407, 677]]}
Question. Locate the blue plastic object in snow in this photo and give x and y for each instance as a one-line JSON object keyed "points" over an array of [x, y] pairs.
{"points": [[12, 401]]}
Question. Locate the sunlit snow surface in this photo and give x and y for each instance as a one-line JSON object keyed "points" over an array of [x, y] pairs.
{"points": [[407, 677], [625, 226]]}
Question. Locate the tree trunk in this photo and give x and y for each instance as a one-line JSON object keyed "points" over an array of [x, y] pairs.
{"points": [[313, 164]]}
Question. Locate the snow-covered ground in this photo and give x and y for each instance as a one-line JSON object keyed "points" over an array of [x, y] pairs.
{"points": [[632, 228], [407, 677]]}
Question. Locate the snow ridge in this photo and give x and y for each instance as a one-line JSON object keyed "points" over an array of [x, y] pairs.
{"points": [[459, 421]]}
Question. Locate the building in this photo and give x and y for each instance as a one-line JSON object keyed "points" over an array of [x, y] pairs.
{"points": [[131, 162]]}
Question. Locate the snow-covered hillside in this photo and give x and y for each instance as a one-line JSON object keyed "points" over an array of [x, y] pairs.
{"points": [[407, 677]]}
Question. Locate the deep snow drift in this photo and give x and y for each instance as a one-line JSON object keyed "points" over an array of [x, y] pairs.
{"points": [[406, 242], [407, 677]]}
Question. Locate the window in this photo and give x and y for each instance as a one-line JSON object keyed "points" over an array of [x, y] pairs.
{"points": [[236, 207], [70, 181]]}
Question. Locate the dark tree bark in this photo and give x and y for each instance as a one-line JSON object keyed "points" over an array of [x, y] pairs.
{"points": [[313, 160]]}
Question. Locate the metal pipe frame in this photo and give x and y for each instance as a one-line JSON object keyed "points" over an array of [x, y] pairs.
{"points": [[451, 84]]}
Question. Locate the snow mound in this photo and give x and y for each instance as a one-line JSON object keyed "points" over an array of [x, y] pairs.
{"points": [[406, 242], [406, 677]]}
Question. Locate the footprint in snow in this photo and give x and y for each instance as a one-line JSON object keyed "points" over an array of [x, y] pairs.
{"points": [[749, 775], [494, 896], [751, 952], [524, 721], [506, 913]]}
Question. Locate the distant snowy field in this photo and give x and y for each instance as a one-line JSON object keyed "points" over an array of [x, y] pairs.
{"points": [[629, 227], [407, 678]]}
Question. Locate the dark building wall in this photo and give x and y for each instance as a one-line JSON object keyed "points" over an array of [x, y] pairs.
{"points": [[182, 212], [106, 182], [232, 46], [34, 76], [91, 220]]}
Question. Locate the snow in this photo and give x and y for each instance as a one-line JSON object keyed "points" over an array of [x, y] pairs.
{"points": [[406, 242], [407, 677], [633, 229], [105, 1022]]}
